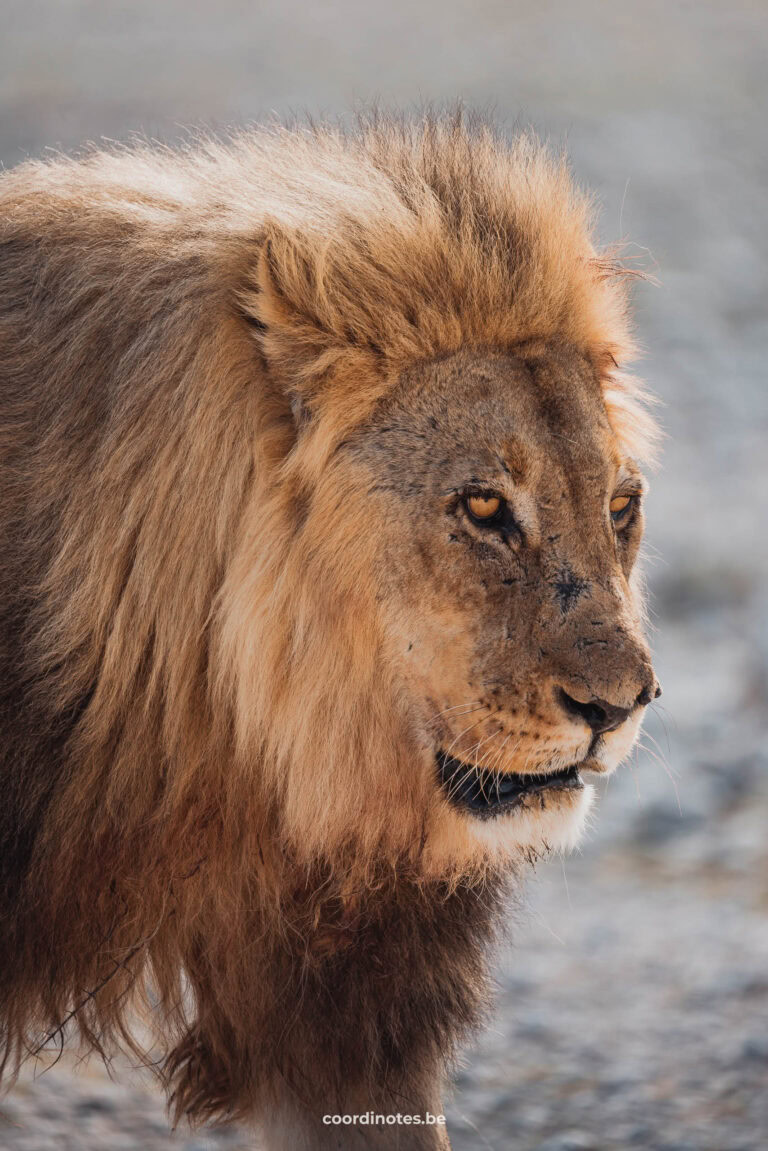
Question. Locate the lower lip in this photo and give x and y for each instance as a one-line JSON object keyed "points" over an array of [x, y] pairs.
{"points": [[489, 793]]}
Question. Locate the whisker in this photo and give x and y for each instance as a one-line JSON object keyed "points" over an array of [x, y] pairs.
{"points": [[647, 735], [478, 775], [658, 709], [496, 760], [565, 881], [457, 715], [492, 766], [498, 757], [461, 733], [667, 772], [633, 769], [473, 703], [458, 781], [477, 746], [493, 755], [475, 767]]}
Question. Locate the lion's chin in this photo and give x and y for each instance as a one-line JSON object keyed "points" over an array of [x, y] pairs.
{"points": [[539, 828]]}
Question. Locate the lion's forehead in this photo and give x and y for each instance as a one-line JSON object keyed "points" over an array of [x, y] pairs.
{"points": [[537, 423]]}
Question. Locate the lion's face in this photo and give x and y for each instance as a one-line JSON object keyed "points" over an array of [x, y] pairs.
{"points": [[507, 524]]}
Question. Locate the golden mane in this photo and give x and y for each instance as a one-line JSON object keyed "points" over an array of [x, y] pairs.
{"points": [[410, 241], [197, 660]]}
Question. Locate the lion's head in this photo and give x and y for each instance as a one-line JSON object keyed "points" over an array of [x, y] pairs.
{"points": [[459, 503]]}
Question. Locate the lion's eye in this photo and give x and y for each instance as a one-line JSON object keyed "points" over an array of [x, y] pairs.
{"points": [[620, 508], [484, 508]]}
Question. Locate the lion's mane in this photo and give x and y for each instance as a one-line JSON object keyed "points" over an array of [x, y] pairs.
{"points": [[203, 799]]}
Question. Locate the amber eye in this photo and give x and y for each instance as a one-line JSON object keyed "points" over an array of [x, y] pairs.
{"points": [[620, 507], [483, 508]]}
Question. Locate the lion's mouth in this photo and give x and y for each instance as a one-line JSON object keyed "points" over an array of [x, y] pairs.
{"points": [[488, 793]]}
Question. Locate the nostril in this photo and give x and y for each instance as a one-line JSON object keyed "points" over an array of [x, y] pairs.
{"points": [[592, 712], [648, 694], [596, 713]]}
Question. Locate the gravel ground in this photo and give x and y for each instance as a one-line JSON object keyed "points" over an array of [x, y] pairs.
{"points": [[633, 1007]]}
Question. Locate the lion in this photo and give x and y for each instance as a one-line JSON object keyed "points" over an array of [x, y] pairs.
{"points": [[321, 508]]}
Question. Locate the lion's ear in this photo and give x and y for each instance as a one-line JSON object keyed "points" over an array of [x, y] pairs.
{"points": [[289, 306]]}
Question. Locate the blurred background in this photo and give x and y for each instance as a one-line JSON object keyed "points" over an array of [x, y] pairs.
{"points": [[633, 1007]]}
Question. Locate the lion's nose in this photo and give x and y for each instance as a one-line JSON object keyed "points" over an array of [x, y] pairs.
{"points": [[598, 714]]}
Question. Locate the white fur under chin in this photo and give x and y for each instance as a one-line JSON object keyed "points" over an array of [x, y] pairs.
{"points": [[618, 744], [557, 828]]}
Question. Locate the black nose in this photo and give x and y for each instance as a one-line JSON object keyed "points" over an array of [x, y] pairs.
{"points": [[597, 713]]}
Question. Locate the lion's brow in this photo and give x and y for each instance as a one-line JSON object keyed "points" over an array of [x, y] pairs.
{"points": [[514, 458]]}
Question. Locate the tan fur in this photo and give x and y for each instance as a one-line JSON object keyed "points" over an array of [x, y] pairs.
{"points": [[209, 741]]}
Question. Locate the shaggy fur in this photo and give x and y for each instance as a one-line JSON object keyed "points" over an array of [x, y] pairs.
{"points": [[209, 798]]}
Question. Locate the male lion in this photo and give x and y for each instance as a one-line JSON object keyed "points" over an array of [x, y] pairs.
{"points": [[320, 505]]}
